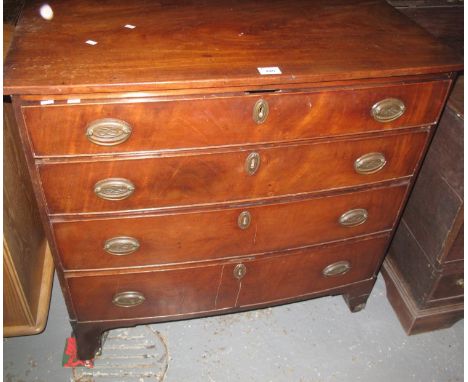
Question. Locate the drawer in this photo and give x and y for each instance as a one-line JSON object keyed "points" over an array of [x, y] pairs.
{"points": [[183, 237], [457, 250], [175, 292], [221, 177], [166, 292], [279, 278], [158, 124], [448, 286]]}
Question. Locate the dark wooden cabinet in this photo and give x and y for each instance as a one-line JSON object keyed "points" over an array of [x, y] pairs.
{"points": [[442, 18], [188, 167], [424, 268]]}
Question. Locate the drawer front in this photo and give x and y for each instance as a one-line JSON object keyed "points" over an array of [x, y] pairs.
{"points": [[457, 250], [279, 278], [221, 177], [201, 236], [171, 124], [165, 293], [209, 288], [448, 286]]}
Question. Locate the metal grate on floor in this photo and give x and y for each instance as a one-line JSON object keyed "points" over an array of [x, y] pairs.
{"points": [[136, 354]]}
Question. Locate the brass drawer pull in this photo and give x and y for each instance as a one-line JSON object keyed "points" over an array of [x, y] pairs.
{"points": [[114, 188], [336, 269], [128, 299], [388, 110], [252, 163], [459, 282], [239, 271], [353, 218], [260, 111], [370, 163], [108, 131], [243, 221], [121, 245]]}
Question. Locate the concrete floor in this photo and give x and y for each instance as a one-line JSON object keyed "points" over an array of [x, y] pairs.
{"points": [[313, 341]]}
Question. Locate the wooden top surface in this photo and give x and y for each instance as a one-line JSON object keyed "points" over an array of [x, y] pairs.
{"points": [[213, 44]]}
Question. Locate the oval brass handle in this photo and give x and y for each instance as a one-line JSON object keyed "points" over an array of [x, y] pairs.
{"points": [[370, 163], [459, 282], [336, 269], [353, 218], [239, 271], [128, 299], [388, 110], [244, 219], [260, 111], [252, 163], [114, 188], [121, 245], [108, 131]]}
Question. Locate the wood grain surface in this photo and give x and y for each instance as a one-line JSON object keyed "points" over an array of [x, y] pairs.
{"points": [[192, 122], [440, 186], [201, 288], [28, 269], [22, 227], [217, 178], [212, 43], [180, 237], [17, 312]]}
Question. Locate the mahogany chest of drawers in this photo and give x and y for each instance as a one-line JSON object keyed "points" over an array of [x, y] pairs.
{"points": [[196, 158]]}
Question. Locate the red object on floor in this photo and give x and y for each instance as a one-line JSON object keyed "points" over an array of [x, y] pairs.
{"points": [[70, 357]]}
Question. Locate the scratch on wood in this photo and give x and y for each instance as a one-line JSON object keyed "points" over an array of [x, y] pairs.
{"points": [[255, 234], [219, 287], [182, 300], [238, 292]]}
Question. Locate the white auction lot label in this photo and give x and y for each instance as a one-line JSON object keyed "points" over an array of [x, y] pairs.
{"points": [[269, 70]]}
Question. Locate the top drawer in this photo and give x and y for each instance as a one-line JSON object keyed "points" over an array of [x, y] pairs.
{"points": [[157, 124]]}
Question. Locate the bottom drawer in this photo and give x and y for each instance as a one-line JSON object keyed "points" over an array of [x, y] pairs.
{"points": [[248, 281], [448, 286], [308, 271]]}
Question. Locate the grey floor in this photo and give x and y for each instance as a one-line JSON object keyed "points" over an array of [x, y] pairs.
{"points": [[313, 341]]}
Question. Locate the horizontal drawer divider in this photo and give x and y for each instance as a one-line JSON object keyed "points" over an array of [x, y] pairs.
{"points": [[227, 260]]}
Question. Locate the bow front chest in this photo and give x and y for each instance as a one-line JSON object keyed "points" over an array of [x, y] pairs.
{"points": [[193, 158]]}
